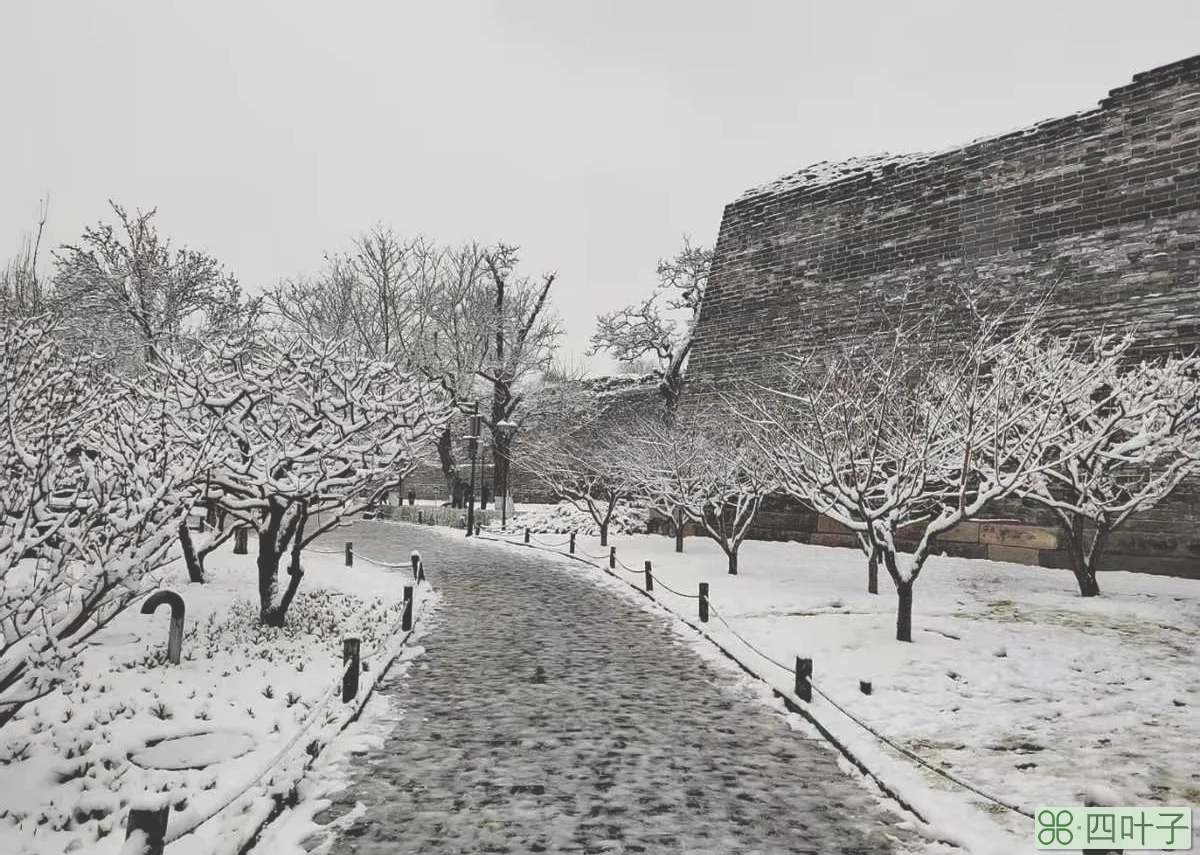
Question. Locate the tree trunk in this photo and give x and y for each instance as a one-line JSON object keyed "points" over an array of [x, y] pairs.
{"points": [[268, 574], [733, 564], [295, 574], [445, 447], [678, 517], [604, 534], [1088, 586], [1083, 568], [873, 572], [195, 566], [904, 593]]}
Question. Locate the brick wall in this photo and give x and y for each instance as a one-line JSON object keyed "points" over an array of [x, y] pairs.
{"points": [[1101, 209]]}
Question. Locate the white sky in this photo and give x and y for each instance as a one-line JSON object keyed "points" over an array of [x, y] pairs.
{"points": [[592, 134]]}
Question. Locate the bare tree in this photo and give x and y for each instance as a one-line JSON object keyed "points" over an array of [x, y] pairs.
{"points": [[645, 330], [588, 462], [23, 290], [704, 468], [460, 317], [126, 291], [312, 435], [1135, 438], [908, 438], [88, 506]]}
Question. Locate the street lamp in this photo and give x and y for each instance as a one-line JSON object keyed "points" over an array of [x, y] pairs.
{"points": [[505, 430], [472, 452]]}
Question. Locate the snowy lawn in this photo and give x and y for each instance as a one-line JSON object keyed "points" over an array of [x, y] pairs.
{"points": [[228, 729], [1014, 682]]}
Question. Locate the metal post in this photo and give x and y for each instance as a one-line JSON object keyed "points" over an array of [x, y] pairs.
{"points": [[406, 620], [703, 602], [175, 633], [472, 452], [349, 554], [649, 577], [612, 558], [527, 534], [572, 543]]}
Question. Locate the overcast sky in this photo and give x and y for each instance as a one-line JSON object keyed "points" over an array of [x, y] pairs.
{"points": [[591, 134]]}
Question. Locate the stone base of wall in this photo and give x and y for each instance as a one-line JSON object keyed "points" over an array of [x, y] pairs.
{"points": [[1162, 541]]}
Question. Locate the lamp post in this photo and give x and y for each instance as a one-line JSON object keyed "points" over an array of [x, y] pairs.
{"points": [[472, 452], [506, 430]]}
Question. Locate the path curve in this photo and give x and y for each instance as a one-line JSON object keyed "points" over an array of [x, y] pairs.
{"points": [[551, 715]]}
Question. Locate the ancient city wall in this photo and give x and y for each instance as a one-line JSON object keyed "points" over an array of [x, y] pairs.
{"points": [[1104, 206]]}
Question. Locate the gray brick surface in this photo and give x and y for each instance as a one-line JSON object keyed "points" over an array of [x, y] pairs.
{"points": [[551, 715]]}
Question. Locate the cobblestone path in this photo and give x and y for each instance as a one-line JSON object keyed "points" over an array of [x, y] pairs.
{"points": [[550, 715]]}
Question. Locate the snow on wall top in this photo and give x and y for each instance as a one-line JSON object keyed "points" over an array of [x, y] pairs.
{"points": [[831, 172], [827, 172]]}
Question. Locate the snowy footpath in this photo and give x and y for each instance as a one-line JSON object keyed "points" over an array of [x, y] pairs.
{"points": [[547, 715], [1014, 685]]}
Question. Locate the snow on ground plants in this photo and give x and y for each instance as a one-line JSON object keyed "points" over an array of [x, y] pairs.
{"points": [[245, 710], [1013, 683], [565, 518]]}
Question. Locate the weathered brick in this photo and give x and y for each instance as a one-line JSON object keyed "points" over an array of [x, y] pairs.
{"points": [[842, 540], [831, 526], [1103, 206], [1015, 554], [1027, 536], [964, 532]]}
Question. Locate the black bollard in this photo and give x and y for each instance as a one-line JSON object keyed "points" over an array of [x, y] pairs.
{"points": [[349, 554], [572, 543], [153, 826], [703, 602], [351, 664], [406, 620], [804, 679], [612, 558], [241, 541], [649, 577]]}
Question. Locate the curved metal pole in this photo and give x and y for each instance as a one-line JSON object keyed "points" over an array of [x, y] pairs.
{"points": [[175, 638]]}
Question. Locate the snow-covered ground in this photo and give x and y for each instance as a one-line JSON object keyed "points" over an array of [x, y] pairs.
{"points": [[231, 726], [1014, 683]]}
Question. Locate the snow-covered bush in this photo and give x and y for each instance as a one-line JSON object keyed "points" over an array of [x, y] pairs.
{"points": [[1133, 435], [91, 493], [908, 436], [565, 518], [703, 467], [589, 463], [310, 435]]}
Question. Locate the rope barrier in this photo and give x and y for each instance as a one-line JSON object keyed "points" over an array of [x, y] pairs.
{"points": [[377, 563], [629, 569], [320, 707], [740, 638], [659, 583], [550, 545], [915, 758]]}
